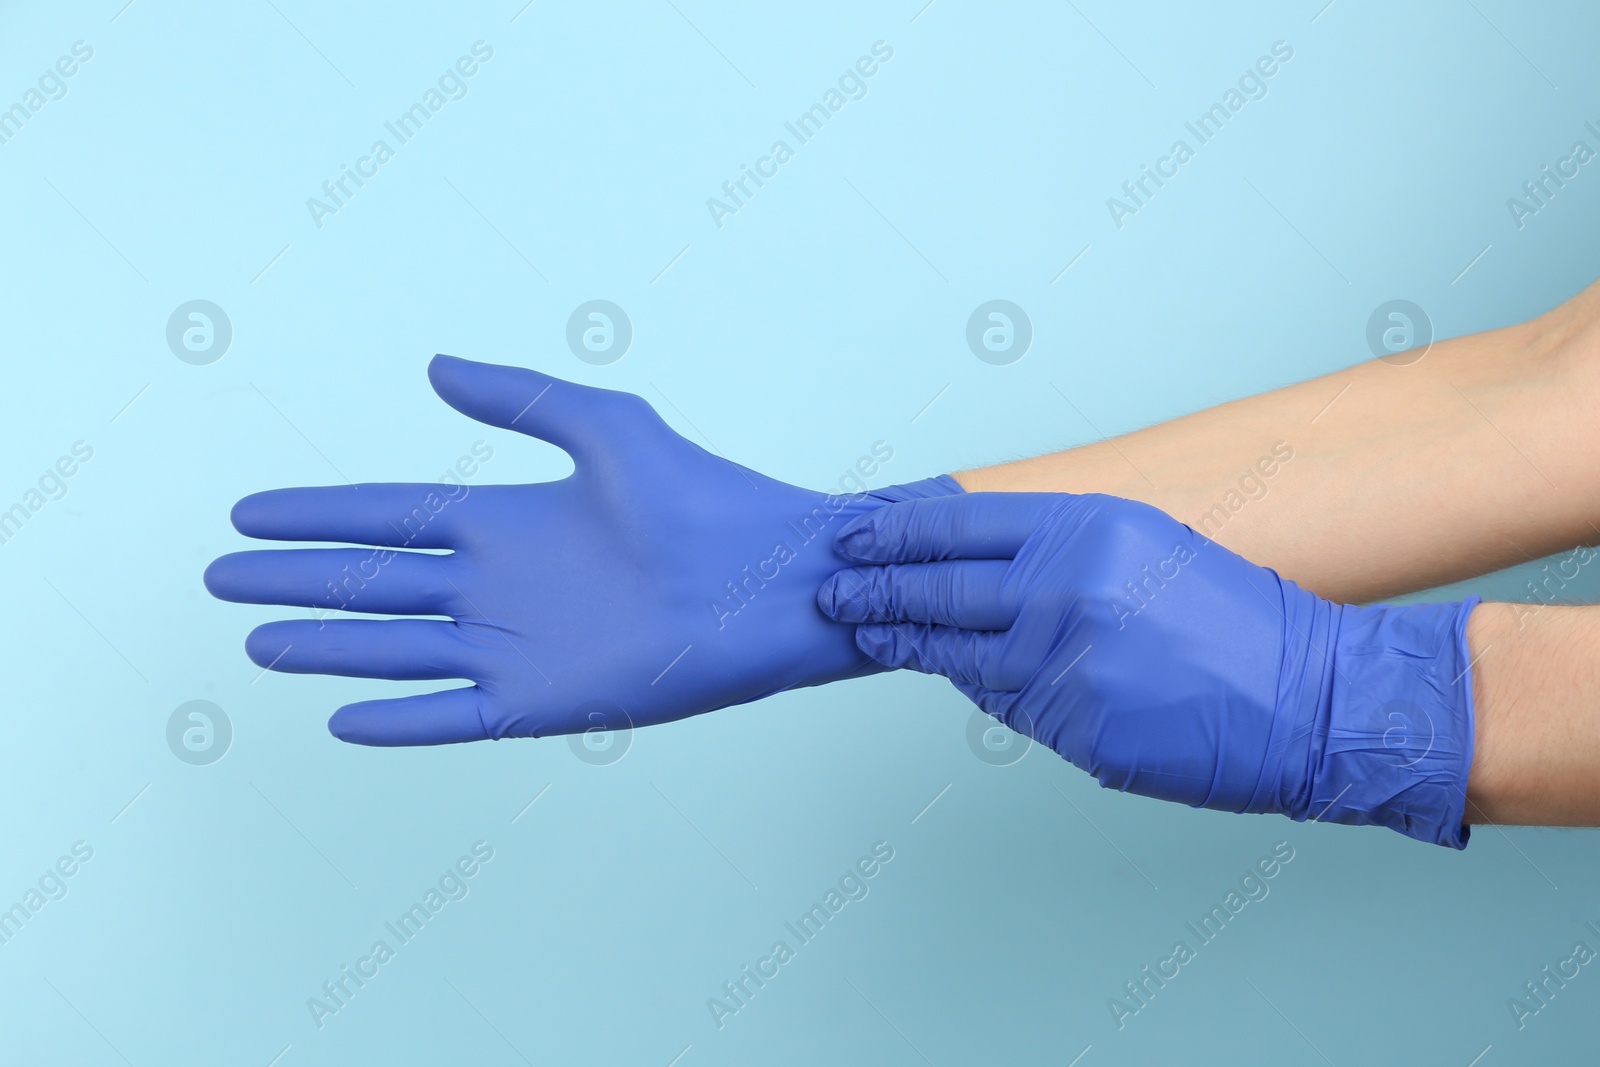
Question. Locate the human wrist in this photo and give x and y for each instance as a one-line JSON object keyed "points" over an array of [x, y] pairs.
{"points": [[1500, 787]]}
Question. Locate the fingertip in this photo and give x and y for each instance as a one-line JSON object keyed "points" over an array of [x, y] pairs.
{"points": [[857, 539], [849, 595], [213, 578], [444, 718], [837, 600], [262, 515], [444, 372], [224, 577], [265, 645], [827, 597], [877, 641], [246, 514], [342, 727], [363, 723], [444, 363]]}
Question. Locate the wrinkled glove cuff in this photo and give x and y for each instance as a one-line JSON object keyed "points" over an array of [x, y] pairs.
{"points": [[943, 485], [1390, 742]]}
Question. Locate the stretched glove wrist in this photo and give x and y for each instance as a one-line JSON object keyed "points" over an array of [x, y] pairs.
{"points": [[940, 485]]}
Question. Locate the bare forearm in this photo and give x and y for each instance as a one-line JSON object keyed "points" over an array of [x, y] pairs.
{"points": [[1536, 754], [1479, 455]]}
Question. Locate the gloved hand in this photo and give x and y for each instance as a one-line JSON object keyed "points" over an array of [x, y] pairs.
{"points": [[1166, 665], [657, 581]]}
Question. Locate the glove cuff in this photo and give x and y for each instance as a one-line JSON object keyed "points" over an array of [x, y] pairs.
{"points": [[943, 485], [1391, 740]]}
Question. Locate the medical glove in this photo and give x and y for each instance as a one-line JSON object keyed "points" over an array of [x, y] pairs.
{"points": [[1164, 664], [655, 582]]}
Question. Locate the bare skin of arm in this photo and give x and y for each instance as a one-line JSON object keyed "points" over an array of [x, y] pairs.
{"points": [[1479, 455], [1536, 687]]}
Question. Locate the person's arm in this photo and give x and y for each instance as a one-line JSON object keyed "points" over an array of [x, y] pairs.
{"points": [[1479, 455], [1536, 674]]}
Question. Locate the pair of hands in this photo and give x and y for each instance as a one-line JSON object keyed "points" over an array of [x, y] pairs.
{"points": [[660, 581]]}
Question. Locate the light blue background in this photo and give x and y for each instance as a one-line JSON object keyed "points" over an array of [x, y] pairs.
{"points": [[821, 318]]}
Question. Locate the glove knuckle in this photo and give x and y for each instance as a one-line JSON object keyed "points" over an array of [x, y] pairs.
{"points": [[623, 407], [881, 598], [948, 591]]}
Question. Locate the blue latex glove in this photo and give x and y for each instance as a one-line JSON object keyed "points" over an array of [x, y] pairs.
{"points": [[657, 581], [1166, 665]]}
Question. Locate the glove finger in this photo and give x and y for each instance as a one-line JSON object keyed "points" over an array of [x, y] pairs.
{"points": [[974, 526], [444, 718], [375, 581], [392, 514], [577, 418], [961, 593], [963, 656], [398, 649]]}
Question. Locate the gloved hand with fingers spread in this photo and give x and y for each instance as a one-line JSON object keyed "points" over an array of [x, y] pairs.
{"points": [[657, 581], [1166, 665]]}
